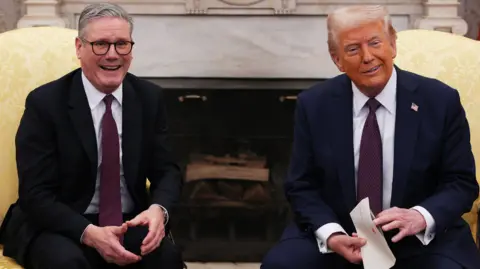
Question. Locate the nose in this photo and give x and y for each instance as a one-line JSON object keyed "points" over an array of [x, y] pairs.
{"points": [[367, 56], [111, 53]]}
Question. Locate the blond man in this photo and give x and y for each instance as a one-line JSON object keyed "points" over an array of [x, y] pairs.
{"points": [[376, 131]]}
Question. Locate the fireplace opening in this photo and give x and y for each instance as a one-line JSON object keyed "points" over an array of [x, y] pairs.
{"points": [[232, 138]]}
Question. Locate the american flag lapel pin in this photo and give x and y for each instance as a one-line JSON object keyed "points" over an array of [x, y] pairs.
{"points": [[414, 107]]}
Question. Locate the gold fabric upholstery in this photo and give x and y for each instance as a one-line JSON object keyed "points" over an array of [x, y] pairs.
{"points": [[454, 60], [30, 58], [7, 263]]}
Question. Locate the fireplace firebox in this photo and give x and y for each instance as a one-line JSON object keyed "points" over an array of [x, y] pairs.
{"points": [[232, 138]]}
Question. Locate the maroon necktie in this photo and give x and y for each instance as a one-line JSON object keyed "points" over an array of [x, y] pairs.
{"points": [[370, 163], [110, 208]]}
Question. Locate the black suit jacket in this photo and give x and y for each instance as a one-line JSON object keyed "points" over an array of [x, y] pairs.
{"points": [[56, 153], [433, 163]]}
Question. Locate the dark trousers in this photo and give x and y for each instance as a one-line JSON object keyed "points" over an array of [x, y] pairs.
{"points": [[54, 251], [301, 251]]}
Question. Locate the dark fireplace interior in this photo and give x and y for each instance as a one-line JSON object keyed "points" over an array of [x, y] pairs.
{"points": [[232, 138]]}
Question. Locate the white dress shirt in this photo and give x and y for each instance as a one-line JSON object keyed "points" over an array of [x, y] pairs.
{"points": [[97, 107], [386, 123]]}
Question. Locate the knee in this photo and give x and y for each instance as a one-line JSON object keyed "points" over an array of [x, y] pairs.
{"points": [[293, 254], [71, 262], [270, 262], [277, 260], [172, 257], [53, 251], [166, 256]]}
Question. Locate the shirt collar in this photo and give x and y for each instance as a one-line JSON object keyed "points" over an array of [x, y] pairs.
{"points": [[95, 96], [387, 97]]}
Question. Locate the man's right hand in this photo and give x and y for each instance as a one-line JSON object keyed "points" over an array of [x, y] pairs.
{"points": [[346, 246], [106, 241]]}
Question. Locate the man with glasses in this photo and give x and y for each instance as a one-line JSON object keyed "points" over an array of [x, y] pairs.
{"points": [[86, 145]]}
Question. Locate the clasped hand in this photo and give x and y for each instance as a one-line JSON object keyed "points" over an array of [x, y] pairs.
{"points": [[153, 218], [408, 221], [106, 240]]}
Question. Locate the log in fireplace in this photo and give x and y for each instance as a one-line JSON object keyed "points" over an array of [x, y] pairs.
{"points": [[232, 138]]}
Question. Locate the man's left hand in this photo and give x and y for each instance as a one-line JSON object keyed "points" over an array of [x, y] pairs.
{"points": [[408, 221], [153, 217]]}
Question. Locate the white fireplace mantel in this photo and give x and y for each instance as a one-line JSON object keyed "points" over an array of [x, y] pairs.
{"points": [[243, 7], [239, 38]]}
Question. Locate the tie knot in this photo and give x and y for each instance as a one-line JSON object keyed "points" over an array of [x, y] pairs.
{"points": [[108, 99], [373, 104]]}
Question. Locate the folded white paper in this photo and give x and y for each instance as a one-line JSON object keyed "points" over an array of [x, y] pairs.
{"points": [[375, 253]]}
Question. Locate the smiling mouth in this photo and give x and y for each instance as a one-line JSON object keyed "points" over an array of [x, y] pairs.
{"points": [[372, 70], [110, 68]]}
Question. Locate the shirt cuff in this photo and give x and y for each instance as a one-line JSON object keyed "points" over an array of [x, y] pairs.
{"points": [[165, 212], [428, 234], [81, 237], [323, 233]]}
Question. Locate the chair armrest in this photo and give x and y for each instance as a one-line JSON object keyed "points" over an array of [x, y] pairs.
{"points": [[476, 209]]}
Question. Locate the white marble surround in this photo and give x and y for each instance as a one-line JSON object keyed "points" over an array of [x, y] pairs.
{"points": [[240, 38]]}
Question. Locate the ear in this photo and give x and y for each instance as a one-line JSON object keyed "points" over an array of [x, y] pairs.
{"points": [[393, 44], [78, 46], [336, 61]]}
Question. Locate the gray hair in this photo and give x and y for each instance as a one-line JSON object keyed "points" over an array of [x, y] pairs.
{"points": [[351, 16], [99, 10]]}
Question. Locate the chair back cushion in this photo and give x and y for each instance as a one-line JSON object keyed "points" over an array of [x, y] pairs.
{"points": [[30, 58], [454, 60]]}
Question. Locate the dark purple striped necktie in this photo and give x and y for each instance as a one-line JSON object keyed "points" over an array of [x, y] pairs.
{"points": [[370, 163], [110, 208]]}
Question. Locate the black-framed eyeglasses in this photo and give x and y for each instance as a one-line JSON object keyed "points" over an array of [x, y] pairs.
{"points": [[102, 47]]}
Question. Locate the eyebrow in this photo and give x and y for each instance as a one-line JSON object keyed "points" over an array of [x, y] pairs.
{"points": [[106, 40]]}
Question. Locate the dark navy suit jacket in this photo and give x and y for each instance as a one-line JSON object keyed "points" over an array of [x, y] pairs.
{"points": [[433, 163]]}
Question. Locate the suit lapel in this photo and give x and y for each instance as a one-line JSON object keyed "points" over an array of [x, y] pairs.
{"points": [[342, 125], [406, 127], [132, 131], [81, 117]]}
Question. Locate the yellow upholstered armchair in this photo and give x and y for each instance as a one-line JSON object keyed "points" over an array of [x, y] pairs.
{"points": [[455, 60], [29, 57]]}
